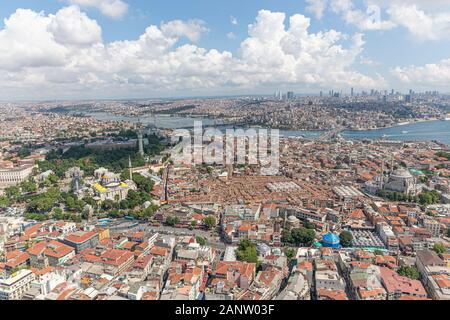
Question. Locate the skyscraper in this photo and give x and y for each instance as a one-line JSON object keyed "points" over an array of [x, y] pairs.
{"points": [[352, 92], [290, 95]]}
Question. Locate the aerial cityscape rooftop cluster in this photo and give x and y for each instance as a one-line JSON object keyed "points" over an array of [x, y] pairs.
{"points": [[96, 209]]}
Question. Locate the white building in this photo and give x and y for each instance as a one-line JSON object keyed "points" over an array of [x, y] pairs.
{"points": [[45, 283], [14, 288], [433, 226], [328, 279], [13, 176]]}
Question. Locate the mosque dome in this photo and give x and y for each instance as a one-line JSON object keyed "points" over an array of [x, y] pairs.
{"points": [[330, 239], [402, 173]]}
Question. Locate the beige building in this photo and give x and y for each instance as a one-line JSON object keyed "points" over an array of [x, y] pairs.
{"points": [[13, 176], [15, 287]]}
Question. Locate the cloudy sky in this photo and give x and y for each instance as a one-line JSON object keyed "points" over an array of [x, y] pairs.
{"points": [[83, 49]]}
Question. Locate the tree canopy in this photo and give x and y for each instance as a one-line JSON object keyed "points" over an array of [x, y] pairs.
{"points": [[299, 236], [409, 272], [210, 222], [246, 251], [439, 248], [346, 239]]}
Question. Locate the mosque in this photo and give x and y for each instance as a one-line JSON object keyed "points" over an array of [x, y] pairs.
{"points": [[402, 181], [110, 187], [331, 240]]}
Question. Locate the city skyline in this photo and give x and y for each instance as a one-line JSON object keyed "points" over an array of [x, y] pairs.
{"points": [[102, 49]]}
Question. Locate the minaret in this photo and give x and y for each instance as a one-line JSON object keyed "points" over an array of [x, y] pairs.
{"points": [[129, 167], [140, 135], [382, 175], [230, 172], [392, 163]]}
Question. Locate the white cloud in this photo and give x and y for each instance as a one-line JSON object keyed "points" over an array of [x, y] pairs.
{"points": [[364, 20], [47, 58], [421, 25], [110, 8], [433, 75], [233, 21], [27, 42], [192, 29], [71, 26], [317, 7], [424, 19], [368, 61], [231, 35]]}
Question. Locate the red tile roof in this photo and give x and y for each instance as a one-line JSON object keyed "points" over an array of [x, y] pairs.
{"points": [[81, 237]]}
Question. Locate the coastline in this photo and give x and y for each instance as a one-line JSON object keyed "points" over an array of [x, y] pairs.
{"points": [[398, 124]]}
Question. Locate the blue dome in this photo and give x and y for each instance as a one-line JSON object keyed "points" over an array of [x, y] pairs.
{"points": [[331, 239]]}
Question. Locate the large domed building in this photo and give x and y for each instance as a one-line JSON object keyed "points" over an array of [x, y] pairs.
{"points": [[331, 240], [402, 181]]}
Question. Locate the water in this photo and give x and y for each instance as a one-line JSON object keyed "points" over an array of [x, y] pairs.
{"points": [[160, 121], [420, 131]]}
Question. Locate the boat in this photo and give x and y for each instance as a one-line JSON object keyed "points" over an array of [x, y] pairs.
{"points": [[404, 132]]}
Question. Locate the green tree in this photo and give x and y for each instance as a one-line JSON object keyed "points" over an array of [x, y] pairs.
{"points": [[303, 236], [289, 252], [172, 221], [439, 248], [150, 211], [12, 192], [28, 186], [4, 201], [200, 240], [210, 222], [246, 251], [346, 239], [24, 152], [108, 205], [409, 272], [286, 237], [143, 183], [36, 216], [57, 213], [309, 225], [53, 178]]}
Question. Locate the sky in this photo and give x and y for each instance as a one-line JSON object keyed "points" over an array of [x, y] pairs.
{"points": [[111, 49]]}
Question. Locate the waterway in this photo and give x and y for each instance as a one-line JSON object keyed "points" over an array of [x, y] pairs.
{"points": [[438, 130]]}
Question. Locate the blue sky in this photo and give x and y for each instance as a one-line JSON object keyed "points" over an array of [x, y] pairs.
{"points": [[408, 47]]}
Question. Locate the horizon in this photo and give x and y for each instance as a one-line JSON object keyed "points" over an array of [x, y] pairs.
{"points": [[212, 97]]}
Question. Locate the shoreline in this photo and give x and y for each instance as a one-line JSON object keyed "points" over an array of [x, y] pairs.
{"points": [[399, 124]]}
